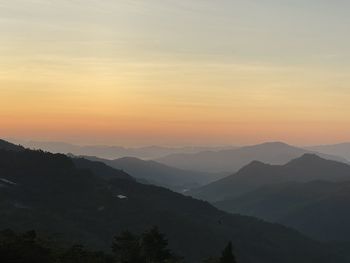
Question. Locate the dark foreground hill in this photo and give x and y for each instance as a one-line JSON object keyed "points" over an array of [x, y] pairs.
{"points": [[49, 193], [307, 168], [319, 209]]}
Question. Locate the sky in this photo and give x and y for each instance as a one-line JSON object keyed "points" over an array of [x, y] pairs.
{"points": [[175, 72]]}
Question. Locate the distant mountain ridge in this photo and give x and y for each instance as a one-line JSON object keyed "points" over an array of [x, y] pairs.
{"points": [[309, 167], [114, 152], [160, 174], [341, 149], [235, 159]]}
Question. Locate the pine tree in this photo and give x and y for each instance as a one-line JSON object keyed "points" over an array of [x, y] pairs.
{"points": [[227, 255], [126, 248], [155, 247], [211, 260]]}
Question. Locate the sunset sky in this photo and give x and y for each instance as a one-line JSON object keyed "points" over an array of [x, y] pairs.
{"points": [[175, 72]]}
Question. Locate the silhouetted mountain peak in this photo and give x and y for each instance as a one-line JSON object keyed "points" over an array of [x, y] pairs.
{"points": [[272, 146], [276, 144], [253, 166], [256, 164], [309, 159], [129, 158]]}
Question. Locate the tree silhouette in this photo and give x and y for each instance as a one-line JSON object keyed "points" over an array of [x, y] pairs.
{"points": [[155, 247], [150, 247], [126, 248], [23, 248], [227, 255], [211, 260], [78, 254]]}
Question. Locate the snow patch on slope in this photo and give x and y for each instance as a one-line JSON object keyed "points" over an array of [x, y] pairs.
{"points": [[7, 181]]}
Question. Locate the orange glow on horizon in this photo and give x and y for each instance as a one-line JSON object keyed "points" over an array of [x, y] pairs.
{"points": [[115, 74]]}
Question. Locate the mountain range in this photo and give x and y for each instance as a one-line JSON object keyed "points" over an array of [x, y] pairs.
{"points": [[307, 168], [233, 159], [310, 194], [53, 193]]}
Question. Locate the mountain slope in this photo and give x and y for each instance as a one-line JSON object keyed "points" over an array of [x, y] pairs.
{"points": [[257, 174], [49, 193], [319, 209], [233, 160], [101, 169], [4, 145], [160, 174]]}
